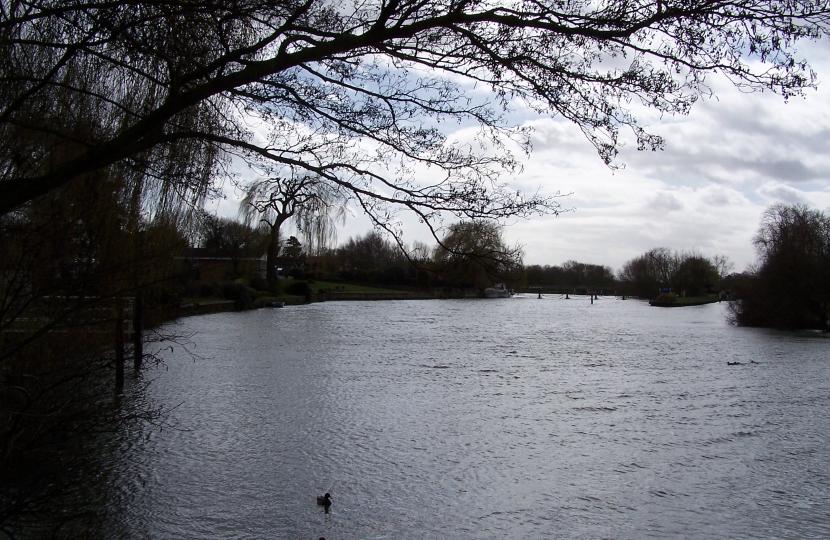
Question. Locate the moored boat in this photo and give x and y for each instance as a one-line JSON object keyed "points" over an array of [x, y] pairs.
{"points": [[498, 291]]}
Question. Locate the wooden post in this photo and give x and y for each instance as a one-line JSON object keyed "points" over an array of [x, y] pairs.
{"points": [[119, 346], [138, 344]]}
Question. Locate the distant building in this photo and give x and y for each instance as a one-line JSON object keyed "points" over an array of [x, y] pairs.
{"points": [[211, 266]]}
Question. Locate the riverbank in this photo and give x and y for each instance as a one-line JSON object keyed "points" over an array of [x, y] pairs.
{"points": [[680, 301], [322, 292], [207, 306]]}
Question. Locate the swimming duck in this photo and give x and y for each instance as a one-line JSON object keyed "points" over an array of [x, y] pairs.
{"points": [[324, 500]]}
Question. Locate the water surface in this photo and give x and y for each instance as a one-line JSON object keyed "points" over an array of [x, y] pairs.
{"points": [[513, 418]]}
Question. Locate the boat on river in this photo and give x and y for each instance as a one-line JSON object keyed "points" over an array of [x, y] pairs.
{"points": [[500, 290]]}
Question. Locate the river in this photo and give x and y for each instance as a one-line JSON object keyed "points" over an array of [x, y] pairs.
{"points": [[507, 418]]}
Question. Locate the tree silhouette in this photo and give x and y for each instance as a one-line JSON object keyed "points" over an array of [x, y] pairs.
{"points": [[311, 202], [790, 287], [358, 93], [473, 255]]}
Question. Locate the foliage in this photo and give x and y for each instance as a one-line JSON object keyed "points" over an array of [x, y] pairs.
{"points": [[684, 272], [473, 254], [298, 288], [293, 248], [228, 238], [72, 263], [164, 294], [391, 276], [369, 253], [361, 276], [117, 120], [791, 286], [258, 283], [243, 296], [374, 259], [695, 276], [570, 274], [161, 93], [666, 298], [201, 289]]}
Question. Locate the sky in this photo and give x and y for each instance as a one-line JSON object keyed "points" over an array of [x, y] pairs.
{"points": [[723, 164]]}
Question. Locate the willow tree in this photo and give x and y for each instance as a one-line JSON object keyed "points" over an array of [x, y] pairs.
{"points": [[473, 254], [361, 94], [313, 204]]}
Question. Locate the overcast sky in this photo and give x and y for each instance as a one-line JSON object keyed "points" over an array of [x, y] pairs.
{"points": [[723, 164]]}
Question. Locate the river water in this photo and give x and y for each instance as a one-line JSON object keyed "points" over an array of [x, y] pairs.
{"points": [[510, 418]]}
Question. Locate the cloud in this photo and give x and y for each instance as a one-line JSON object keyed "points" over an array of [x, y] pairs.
{"points": [[743, 140], [664, 202], [723, 165], [782, 193], [719, 196]]}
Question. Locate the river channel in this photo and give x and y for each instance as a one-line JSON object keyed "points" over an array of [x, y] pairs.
{"points": [[507, 418]]}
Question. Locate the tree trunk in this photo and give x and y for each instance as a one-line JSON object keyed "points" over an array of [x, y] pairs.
{"points": [[271, 257], [138, 329], [119, 347]]}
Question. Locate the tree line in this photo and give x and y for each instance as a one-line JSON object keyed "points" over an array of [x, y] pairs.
{"points": [[686, 273], [784, 289]]}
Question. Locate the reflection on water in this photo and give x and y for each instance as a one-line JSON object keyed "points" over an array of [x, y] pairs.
{"points": [[519, 418]]}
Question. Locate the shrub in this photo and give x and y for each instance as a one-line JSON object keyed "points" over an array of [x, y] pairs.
{"points": [[243, 296], [259, 283], [394, 275], [298, 288], [666, 298], [164, 294]]}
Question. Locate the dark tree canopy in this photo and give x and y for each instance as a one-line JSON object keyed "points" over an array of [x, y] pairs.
{"points": [[570, 274], [165, 92], [225, 237], [790, 287], [474, 254], [370, 252], [688, 273]]}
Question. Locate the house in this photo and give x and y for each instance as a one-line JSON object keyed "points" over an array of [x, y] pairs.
{"points": [[213, 266]]}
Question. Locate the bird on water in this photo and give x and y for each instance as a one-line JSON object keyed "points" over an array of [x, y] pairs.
{"points": [[324, 500]]}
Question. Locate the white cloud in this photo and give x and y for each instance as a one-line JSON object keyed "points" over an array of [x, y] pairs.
{"points": [[664, 202], [722, 166]]}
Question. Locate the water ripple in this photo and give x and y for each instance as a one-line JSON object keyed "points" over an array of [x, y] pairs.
{"points": [[477, 419]]}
